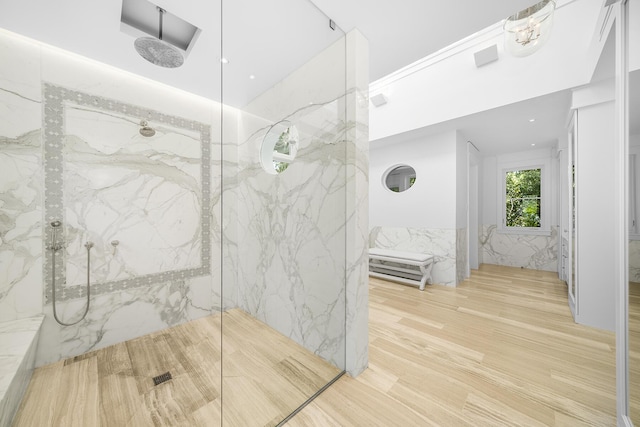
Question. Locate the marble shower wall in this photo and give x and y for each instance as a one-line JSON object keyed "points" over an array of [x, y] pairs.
{"points": [[116, 185], [21, 183], [441, 243], [290, 235], [519, 250]]}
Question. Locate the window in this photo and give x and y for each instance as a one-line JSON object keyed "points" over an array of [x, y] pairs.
{"points": [[523, 197]]}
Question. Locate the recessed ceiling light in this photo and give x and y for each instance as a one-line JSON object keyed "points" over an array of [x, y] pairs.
{"points": [[224, 60], [252, 77], [533, 145], [532, 120]]}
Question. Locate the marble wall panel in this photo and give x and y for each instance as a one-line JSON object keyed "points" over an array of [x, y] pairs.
{"points": [[518, 250], [290, 233], [441, 243], [107, 183], [143, 202], [107, 159], [120, 316], [462, 254], [21, 182], [290, 239]]}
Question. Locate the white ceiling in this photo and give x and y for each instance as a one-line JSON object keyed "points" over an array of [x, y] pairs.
{"points": [[271, 39], [402, 31], [268, 39], [505, 129]]}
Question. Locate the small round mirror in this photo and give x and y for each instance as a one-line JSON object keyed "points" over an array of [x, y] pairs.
{"points": [[399, 178], [279, 147]]}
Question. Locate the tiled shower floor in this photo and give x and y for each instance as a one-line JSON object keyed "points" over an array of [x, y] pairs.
{"points": [[266, 376]]}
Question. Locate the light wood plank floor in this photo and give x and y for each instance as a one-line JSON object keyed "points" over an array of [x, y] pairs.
{"points": [[265, 377], [500, 350]]}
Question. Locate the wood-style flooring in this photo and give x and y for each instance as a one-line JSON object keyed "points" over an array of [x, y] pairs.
{"points": [[501, 349], [265, 376]]}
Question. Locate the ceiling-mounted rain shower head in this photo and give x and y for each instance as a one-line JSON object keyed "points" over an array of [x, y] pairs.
{"points": [[146, 130], [157, 51]]}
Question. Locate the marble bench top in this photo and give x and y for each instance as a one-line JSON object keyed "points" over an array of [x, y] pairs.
{"points": [[16, 337]]}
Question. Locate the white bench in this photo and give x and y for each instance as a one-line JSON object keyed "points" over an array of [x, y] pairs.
{"points": [[400, 266]]}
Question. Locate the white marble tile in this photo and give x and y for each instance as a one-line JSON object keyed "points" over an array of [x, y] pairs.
{"points": [[21, 183], [18, 341], [517, 250], [143, 192], [121, 316], [290, 237], [441, 243]]}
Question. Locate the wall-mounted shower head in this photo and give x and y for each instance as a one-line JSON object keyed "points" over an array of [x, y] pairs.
{"points": [[146, 130], [157, 51], [56, 224]]}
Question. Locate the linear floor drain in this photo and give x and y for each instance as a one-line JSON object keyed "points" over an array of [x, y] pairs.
{"points": [[162, 378]]}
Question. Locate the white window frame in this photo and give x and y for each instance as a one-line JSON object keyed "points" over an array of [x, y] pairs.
{"points": [[545, 196]]}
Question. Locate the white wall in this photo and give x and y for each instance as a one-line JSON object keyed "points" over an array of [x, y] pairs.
{"points": [[418, 97], [431, 216], [595, 216], [537, 252], [490, 183], [431, 202], [462, 173]]}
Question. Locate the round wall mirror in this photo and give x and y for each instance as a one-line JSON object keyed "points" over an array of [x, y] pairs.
{"points": [[279, 147], [399, 178]]}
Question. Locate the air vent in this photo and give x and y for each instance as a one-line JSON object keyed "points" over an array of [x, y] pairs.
{"points": [[378, 100], [486, 56], [139, 18]]}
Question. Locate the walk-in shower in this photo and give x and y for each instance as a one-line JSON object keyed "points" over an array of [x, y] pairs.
{"points": [[144, 229]]}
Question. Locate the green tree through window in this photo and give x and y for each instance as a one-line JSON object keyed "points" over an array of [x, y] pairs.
{"points": [[523, 198]]}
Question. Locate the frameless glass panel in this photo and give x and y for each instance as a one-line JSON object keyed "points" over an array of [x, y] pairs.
{"points": [[283, 215], [573, 260], [634, 246], [111, 168]]}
